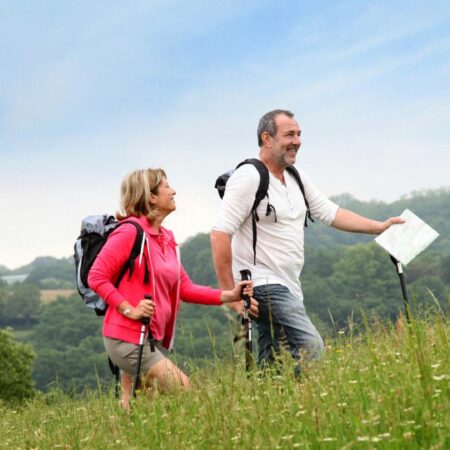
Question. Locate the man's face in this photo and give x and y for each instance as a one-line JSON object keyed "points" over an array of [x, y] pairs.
{"points": [[286, 142]]}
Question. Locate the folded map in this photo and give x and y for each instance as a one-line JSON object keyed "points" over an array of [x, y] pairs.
{"points": [[405, 241]]}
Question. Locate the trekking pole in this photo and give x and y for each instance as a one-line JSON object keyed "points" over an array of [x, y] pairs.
{"points": [[151, 340], [145, 321], [398, 266], [247, 323], [116, 372]]}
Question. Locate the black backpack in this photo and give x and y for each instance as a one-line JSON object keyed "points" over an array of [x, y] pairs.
{"points": [[94, 233], [261, 192]]}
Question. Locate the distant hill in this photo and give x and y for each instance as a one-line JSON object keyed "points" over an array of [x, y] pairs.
{"points": [[4, 270], [47, 272], [40, 262]]}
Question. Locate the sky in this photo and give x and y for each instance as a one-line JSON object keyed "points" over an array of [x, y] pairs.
{"points": [[92, 90]]}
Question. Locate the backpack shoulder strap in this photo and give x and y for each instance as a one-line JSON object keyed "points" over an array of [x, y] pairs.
{"points": [[263, 186], [135, 251], [294, 172], [261, 192]]}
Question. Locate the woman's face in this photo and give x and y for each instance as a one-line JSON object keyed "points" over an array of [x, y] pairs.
{"points": [[164, 199]]}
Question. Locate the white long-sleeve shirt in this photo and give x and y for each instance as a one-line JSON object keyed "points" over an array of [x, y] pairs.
{"points": [[280, 244]]}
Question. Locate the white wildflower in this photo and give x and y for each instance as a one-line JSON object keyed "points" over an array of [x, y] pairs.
{"points": [[363, 438], [440, 377]]}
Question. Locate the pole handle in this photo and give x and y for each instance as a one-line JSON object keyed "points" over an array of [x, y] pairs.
{"points": [[246, 275], [246, 321], [146, 321]]}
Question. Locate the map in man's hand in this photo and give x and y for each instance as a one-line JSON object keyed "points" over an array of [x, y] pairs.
{"points": [[405, 241]]}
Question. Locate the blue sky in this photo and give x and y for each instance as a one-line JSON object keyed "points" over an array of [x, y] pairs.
{"points": [[92, 90]]}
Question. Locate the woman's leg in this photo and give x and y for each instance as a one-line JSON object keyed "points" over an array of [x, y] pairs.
{"points": [[126, 384], [158, 369], [167, 376], [164, 375]]}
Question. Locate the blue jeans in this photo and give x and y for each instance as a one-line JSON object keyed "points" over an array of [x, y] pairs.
{"points": [[283, 319]]}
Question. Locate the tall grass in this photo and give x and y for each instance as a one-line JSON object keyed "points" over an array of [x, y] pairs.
{"points": [[384, 388]]}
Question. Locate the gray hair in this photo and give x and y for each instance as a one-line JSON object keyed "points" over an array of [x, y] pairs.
{"points": [[267, 123]]}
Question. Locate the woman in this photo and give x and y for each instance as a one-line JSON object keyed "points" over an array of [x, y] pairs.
{"points": [[147, 199]]}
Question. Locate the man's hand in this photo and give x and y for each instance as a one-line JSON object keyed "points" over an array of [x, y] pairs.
{"points": [[391, 221], [253, 311]]}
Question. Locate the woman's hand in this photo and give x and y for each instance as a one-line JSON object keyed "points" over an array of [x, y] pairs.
{"points": [[234, 297], [235, 294], [145, 308]]}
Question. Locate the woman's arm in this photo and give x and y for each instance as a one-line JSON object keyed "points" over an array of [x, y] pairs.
{"points": [[196, 293]]}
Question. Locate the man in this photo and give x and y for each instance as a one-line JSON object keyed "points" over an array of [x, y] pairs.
{"points": [[279, 254]]}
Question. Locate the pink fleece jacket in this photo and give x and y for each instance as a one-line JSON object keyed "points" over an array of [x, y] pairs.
{"points": [[168, 282]]}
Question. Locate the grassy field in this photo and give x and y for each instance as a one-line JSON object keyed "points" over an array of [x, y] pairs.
{"points": [[49, 295], [384, 388]]}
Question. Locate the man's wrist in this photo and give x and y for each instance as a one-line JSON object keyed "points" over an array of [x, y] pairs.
{"points": [[227, 285]]}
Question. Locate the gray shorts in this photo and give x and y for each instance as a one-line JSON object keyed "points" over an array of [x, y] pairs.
{"points": [[124, 355]]}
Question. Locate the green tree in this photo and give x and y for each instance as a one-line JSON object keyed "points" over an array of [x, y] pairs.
{"points": [[54, 274], [320, 297], [364, 279], [69, 347], [428, 290], [22, 305], [3, 295], [16, 382], [65, 323], [445, 268], [74, 368], [197, 259]]}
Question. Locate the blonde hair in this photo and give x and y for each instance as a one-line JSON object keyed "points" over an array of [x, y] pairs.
{"points": [[135, 193]]}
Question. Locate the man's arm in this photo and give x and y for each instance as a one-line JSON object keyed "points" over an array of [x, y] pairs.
{"points": [[346, 220], [221, 253], [235, 208], [222, 257]]}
